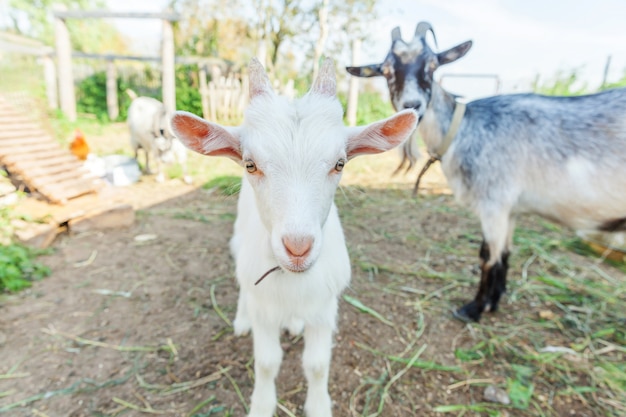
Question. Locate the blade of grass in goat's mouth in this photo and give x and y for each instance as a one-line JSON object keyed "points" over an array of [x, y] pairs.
{"points": [[276, 268]]}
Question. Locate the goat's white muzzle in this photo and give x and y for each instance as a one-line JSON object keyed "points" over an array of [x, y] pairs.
{"points": [[298, 249]]}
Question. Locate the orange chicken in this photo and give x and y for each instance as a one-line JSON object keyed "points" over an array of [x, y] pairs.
{"points": [[79, 146]]}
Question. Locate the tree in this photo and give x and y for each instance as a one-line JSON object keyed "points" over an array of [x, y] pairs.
{"points": [[33, 18], [280, 20], [212, 28], [351, 20]]}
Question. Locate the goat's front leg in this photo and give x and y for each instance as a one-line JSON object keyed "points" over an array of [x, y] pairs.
{"points": [[316, 364], [145, 167], [241, 324], [267, 358], [160, 177], [148, 154], [494, 255]]}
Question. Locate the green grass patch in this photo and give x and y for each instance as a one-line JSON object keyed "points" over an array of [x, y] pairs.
{"points": [[18, 267], [468, 355], [226, 184], [18, 264], [520, 387]]}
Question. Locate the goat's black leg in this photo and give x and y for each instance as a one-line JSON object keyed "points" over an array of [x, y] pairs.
{"points": [[492, 286], [498, 288]]}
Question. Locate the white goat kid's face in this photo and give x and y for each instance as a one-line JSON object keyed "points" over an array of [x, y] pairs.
{"points": [[294, 163], [293, 154]]}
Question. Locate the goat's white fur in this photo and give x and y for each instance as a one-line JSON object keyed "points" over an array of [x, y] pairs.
{"points": [[150, 130], [295, 146]]}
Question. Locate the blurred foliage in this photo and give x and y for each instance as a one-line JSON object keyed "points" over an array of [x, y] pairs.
{"points": [[21, 73], [564, 83], [32, 18], [568, 83], [188, 89], [371, 107], [226, 184], [212, 28], [91, 96], [91, 92], [619, 83], [218, 28], [233, 30], [18, 267]]}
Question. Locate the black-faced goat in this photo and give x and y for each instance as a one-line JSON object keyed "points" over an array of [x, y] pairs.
{"points": [[563, 158]]}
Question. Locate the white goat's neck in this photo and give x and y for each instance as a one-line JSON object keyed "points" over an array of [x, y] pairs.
{"points": [[436, 120]]}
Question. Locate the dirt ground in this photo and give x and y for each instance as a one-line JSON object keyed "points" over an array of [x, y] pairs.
{"points": [[136, 321]]}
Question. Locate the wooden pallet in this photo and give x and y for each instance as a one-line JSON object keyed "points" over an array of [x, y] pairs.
{"points": [[31, 155]]}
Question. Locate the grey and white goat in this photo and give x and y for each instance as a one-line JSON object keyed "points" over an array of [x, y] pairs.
{"points": [[150, 130], [563, 158]]}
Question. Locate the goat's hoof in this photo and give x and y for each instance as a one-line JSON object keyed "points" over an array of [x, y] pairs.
{"points": [[468, 313], [320, 407], [160, 178]]}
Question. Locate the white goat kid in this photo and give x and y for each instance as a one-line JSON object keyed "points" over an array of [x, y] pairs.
{"points": [[293, 153]]}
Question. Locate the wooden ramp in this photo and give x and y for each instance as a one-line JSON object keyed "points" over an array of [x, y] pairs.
{"points": [[34, 157]]}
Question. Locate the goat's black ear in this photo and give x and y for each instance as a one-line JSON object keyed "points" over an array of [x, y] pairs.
{"points": [[454, 53], [373, 70]]}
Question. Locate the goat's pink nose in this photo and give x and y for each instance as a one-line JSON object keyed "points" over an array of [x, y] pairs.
{"points": [[298, 246]]}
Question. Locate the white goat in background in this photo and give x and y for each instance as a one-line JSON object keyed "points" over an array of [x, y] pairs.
{"points": [[150, 130], [293, 153]]}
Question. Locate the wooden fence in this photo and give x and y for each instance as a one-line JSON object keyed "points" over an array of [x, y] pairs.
{"points": [[225, 98]]}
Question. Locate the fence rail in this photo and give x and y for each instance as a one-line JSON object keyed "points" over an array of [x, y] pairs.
{"points": [[225, 98]]}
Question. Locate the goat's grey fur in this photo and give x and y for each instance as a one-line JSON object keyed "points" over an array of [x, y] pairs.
{"points": [[563, 158]]}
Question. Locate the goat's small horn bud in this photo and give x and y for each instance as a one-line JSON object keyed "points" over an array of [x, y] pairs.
{"points": [[395, 34], [325, 83], [259, 81], [423, 28]]}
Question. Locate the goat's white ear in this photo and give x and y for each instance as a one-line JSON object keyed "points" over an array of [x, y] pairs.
{"points": [[205, 138], [381, 136], [325, 83], [259, 81]]}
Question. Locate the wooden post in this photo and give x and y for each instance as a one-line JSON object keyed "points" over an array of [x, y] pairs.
{"points": [[605, 75], [169, 76], [213, 101], [112, 103], [216, 75], [204, 91], [64, 65], [50, 78], [353, 91], [321, 40]]}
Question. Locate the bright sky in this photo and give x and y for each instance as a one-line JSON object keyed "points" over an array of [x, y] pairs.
{"points": [[519, 39], [514, 39]]}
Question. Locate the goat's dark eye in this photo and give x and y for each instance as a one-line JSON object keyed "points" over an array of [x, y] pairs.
{"points": [[250, 166], [340, 164], [162, 132]]}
